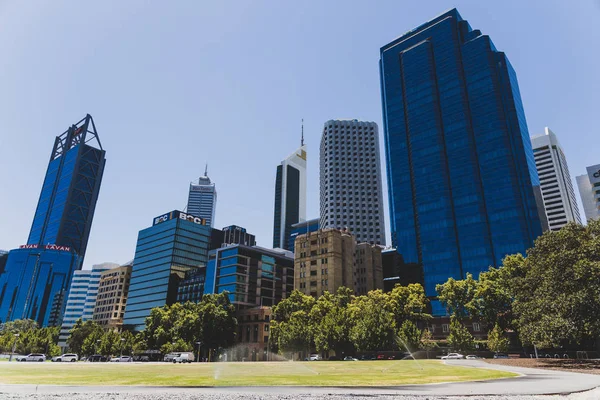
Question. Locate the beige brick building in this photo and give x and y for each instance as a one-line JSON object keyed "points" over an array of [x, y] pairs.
{"points": [[368, 270], [326, 259], [112, 297]]}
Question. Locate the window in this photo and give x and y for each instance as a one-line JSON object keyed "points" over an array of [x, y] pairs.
{"points": [[445, 328], [476, 327]]}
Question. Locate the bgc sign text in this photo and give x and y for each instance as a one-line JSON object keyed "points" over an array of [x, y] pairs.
{"points": [[180, 215]]}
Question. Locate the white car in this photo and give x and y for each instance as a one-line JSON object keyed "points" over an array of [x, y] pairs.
{"points": [[66, 358], [314, 357], [32, 357], [170, 357], [184, 358], [473, 357], [453, 356]]}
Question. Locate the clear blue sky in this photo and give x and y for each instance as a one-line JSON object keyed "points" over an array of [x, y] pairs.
{"points": [[172, 85]]}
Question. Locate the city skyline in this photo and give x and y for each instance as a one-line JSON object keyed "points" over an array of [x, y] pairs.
{"points": [[126, 177]]}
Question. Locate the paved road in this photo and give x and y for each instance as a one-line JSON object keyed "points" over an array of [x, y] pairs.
{"points": [[532, 382]]}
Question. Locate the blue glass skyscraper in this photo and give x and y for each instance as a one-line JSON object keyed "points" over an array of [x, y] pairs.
{"points": [[460, 167], [38, 274]]}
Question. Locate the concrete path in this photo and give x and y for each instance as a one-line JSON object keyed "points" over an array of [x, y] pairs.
{"points": [[531, 382]]}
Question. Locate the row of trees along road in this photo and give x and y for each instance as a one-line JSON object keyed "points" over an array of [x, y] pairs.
{"points": [[550, 298], [25, 337], [170, 328], [346, 323]]}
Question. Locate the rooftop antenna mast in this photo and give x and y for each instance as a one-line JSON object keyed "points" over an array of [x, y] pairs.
{"points": [[206, 170], [302, 140]]}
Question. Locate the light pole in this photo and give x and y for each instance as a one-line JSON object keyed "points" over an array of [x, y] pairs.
{"points": [[122, 341], [13, 348], [199, 344]]}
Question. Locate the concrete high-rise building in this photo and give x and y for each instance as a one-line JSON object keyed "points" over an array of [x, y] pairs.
{"points": [[461, 173], [328, 259], [290, 196], [113, 289], [558, 195], [202, 199], [38, 273], [350, 180], [589, 190], [176, 243], [81, 298]]}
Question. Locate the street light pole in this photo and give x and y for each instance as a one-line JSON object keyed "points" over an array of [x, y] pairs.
{"points": [[13, 348]]}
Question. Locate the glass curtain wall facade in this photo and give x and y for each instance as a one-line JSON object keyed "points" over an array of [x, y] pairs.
{"points": [[70, 190], [290, 197], [302, 228], [164, 253], [253, 276], [460, 166], [32, 281]]}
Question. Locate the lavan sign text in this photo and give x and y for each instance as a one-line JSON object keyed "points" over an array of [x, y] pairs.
{"points": [[178, 214], [46, 247]]}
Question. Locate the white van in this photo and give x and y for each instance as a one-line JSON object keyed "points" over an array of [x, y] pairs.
{"points": [[184, 358]]}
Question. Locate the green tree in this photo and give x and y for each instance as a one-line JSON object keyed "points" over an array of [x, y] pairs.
{"points": [[409, 337], [460, 339], [218, 322], [457, 294], [331, 322], [290, 329], [408, 303], [374, 326], [78, 335], [557, 299], [496, 341], [18, 326], [427, 342]]}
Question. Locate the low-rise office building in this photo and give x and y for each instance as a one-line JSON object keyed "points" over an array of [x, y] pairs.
{"points": [[301, 228], [368, 273], [253, 335], [113, 290], [253, 276]]}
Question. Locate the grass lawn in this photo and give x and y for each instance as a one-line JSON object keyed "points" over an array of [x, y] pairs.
{"points": [[323, 373]]}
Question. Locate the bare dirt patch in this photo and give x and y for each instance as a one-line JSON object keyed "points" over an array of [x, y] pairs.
{"points": [[583, 366]]}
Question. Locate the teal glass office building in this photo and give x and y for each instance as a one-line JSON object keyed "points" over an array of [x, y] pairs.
{"points": [[175, 244], [460, 167]]}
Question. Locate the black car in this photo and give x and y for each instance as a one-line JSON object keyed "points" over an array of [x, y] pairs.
{"points": [[500, 355], [97, 358]]}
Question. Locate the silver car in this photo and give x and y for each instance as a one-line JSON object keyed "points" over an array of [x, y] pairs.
{"points": [[32, 357], [66, 358], [453, 356]]}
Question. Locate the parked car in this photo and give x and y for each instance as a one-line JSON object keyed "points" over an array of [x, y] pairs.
{"points": [[314, 357], [472, 357], [169, 357], [32, 357], [141, 358], [350, 358], [381, 357], [66, 358], [121, 359], [453, 356], [97, 358], [184, 358], [500, 355]]}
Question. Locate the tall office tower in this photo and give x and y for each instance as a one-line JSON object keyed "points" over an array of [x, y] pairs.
{"points": [[589, 190], [36, 273], [290, 195], [460, 166], [560, 205], [350, 179], [202, 200], [81, 298], [113, 290], [176, 243]]}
